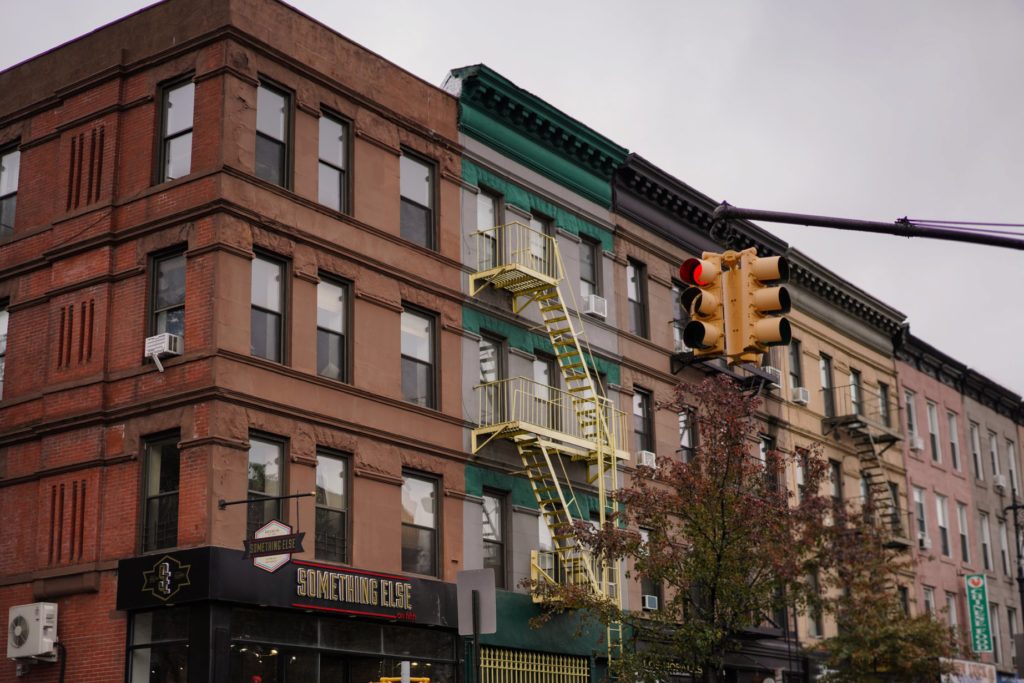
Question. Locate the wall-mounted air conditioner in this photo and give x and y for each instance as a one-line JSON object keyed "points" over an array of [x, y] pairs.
{"points": [[32, 631], [999, 482], [916, 444], [925, 542], [650, 602], [163, 344], [801, 396], [595, 305], [647, 459], [774, 373]]}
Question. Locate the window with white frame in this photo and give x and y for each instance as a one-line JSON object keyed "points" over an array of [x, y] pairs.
{"points": [[687, 434], [1011, 464], [590, 267], [680, 317], [952, 618], [908, 399], [922, 522], [965, 541], [494, 535], [986, 540], [933, 431], [176, 133], [993, 620], [1011, 621], [636, 293], [856, 394], [975, 434], [1004, 547], [929, 600], [993, 453], [643, 429], [796, 370], [942, 515], [954, 440], [488, 218]]}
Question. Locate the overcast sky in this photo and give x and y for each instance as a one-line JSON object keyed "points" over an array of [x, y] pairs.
{"points": [[868, 109]]}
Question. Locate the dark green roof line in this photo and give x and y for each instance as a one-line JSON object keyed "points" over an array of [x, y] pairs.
{"points": [[524, 127]]}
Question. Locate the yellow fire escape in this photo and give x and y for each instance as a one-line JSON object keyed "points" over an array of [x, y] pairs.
{"points": [[549, 425]]}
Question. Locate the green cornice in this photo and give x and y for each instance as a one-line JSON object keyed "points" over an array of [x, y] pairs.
{"points": [[523, 127]]}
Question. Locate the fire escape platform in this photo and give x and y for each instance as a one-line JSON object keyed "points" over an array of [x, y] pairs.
{"points": [[576, 447], [861, 424]]}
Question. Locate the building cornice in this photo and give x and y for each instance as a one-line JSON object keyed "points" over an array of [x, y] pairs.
{"points": [[486, 96], [684, 216]]}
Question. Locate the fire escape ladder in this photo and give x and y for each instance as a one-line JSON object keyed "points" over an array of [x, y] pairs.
{"points": [[872, 469]]}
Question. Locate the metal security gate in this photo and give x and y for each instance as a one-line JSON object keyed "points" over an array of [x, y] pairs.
{"points": [[499, 665]]}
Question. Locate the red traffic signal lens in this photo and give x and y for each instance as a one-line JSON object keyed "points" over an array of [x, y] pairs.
{"points": [[691, 272]]}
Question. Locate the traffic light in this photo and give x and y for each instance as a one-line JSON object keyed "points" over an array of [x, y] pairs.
{"points": [[755, 321], [703, 299]]}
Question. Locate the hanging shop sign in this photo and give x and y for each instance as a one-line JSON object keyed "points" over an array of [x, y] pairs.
{"points": [[977, 611], [272, 545], [964, 671], [230, 575]]}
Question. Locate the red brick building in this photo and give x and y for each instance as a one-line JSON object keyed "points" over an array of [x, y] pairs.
{"points": [[284, 204]]}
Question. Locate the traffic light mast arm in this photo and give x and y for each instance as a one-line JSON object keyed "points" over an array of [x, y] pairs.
{"points": [[902, 227]]}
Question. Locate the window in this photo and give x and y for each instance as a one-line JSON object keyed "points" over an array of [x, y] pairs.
{"points": [[418, 383], [590, 263], [168, 294], [986, 540], [922, 522], [1004, 547], [494, 536], [908, 397], [488, 217], [539, 238], [333, 142], [687, 434], [492, 358], [267, 309], [993, 452], [803, 455], [951, 615], [883, 404], [766, 445], [546, 406], [796, 370], [965, 543], [815, 621], [176, 135], [10, 165], [1011, 621], [643, 431], [331, 507], [993, 620], [975, 433], [160, 647], [933, 431], [160, 509], [332, 330], [856, 395], [929, 600], [636, 276], [679, 319], [835, 478], [1011, 465], [272, 133], [954, 440], [5, 316], [825, 368], [904, 598], [417, 187], [419, 525], [942, 515], [648, 587], [265, 481]]}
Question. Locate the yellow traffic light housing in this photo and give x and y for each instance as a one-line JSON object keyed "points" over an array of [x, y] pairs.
{"points": [[704, 301], [756, 300]]}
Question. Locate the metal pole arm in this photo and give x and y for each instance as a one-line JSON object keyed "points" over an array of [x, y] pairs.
{"points": [[224, 503]]}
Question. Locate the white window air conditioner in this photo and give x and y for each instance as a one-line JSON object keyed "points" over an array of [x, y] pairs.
{"points": [[774, 373], [163, 344], [801, 396], [680, 346], [916, 444], [647, 459], [925, 542], [650, 602], [32, 631], [596, 305], [999, 482]]}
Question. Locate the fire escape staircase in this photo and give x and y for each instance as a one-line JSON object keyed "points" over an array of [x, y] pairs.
{"points": [[547, 424], [863, 423]]}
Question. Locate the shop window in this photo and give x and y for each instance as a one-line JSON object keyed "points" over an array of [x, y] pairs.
{"points": [[332, 329], [331, 507], [176, 130], [273, 131], [159, 646], [417, 210], [494, 535], [168, 287], [418, 358], [333, 167], [419, 525], [266, 456], [10, 167], [267, 320], [160, 509]]}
